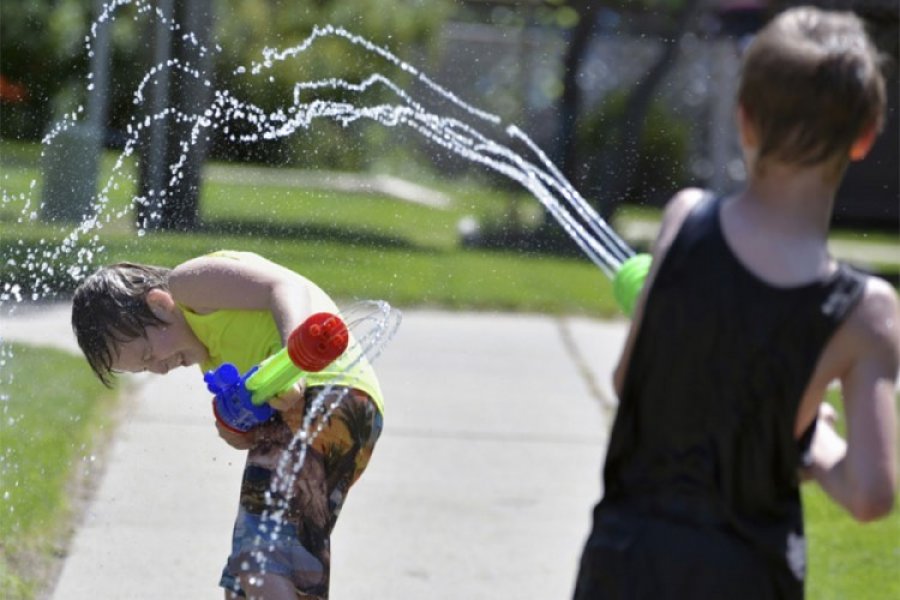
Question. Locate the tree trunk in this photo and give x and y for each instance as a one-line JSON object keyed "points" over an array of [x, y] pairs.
{"points": [[172, 157], [570, 102], [622, 159]]}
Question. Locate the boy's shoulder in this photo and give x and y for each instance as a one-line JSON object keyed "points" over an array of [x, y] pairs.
{"points": [[877, 316], [684, 202], [676, 211], [870, 334]]}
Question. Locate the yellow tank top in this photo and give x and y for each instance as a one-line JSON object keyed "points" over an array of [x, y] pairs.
{"points": [[245, 338]]}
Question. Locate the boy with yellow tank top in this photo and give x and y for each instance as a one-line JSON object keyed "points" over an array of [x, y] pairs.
{"points": [[240, 308]]}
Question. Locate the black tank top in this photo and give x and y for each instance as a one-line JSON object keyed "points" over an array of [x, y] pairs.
{"points": [[704, 433]]}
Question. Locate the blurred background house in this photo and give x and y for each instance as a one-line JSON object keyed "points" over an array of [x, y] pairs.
{"points": [[678, 62]]}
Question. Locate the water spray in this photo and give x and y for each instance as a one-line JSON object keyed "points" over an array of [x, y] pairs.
{"points": [[562, 201], [371, 324], [533, 171], [360, 333]]}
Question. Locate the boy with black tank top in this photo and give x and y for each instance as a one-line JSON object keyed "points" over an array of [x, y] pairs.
{"points": [[744, 322]]}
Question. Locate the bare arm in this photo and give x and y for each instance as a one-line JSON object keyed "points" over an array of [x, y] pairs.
{"points": [[676, 210], [210, 283], [861, 473]]}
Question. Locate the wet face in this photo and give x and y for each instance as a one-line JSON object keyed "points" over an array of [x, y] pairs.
{"points": [[163, 347]]}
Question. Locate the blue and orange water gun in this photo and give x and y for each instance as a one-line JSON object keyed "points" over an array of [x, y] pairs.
{"points": [[240, 401]]}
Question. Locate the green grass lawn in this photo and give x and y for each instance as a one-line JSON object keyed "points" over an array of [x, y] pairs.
{"points": [[848, 560], [54, 419], [355, 246]]}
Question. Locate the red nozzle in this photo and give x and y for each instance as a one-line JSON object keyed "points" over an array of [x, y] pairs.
{"points": [[318, 341]]}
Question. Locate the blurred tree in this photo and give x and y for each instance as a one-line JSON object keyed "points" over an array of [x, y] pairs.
{"points": [[667, 21], [42, 50], [173, 154], [40, 43], [659, 154], [570, 103], [244, 28], [44, 63], [619, 160]]}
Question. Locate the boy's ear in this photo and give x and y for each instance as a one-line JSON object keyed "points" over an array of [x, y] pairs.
{"points": [[864, 142], [745, 128], [161, 303]]}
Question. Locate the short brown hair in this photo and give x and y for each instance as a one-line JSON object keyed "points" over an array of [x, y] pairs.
{"points": [[811, 84], [110, 307]]}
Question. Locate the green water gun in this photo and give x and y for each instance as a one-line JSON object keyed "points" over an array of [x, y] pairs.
{"points": [[629, 280], [240, 401]]}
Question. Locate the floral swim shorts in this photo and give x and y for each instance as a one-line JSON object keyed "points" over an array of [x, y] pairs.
{"points": [[286, 515]]}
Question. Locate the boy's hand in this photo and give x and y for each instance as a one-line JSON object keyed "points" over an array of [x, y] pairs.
{"points": [[827, 447], [291, 405], [288, 400], [238, 441], [826, 441], [828, 414]]}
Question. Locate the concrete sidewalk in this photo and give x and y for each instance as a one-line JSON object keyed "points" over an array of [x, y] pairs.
{"points": [[481, 486]]}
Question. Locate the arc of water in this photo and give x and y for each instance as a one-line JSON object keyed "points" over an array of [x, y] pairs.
{"points": [[577, 217], [606, 249], [597, 240], [372, 324], [613, 250], [374, 328]]}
